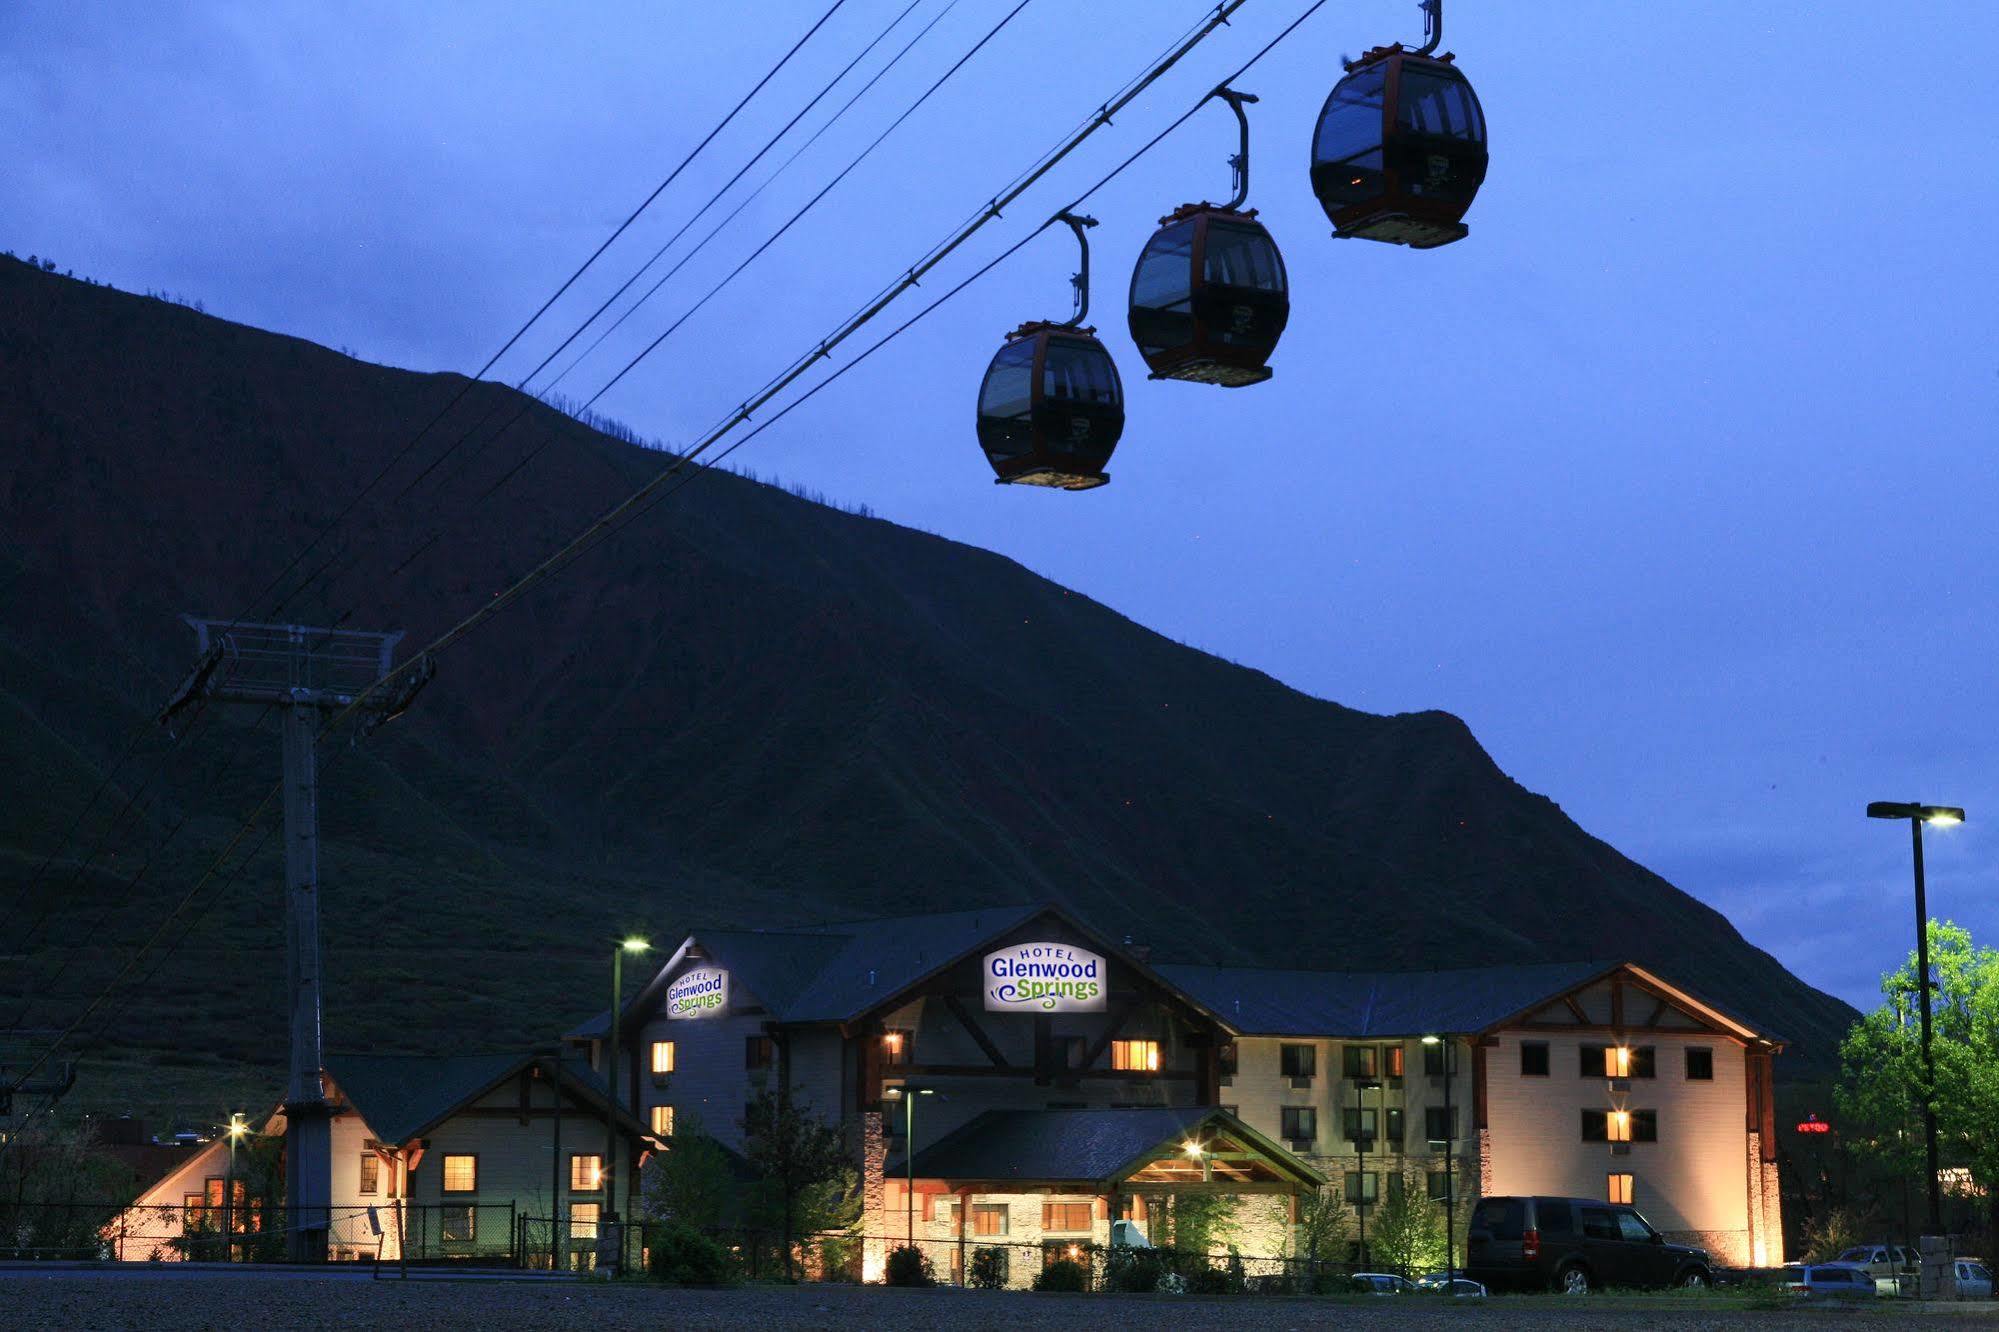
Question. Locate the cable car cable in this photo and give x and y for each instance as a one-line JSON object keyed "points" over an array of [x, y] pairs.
{"points": [[649, 493]]}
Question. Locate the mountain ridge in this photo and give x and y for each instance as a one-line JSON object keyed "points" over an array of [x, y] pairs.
{"points": [[750, 705]]}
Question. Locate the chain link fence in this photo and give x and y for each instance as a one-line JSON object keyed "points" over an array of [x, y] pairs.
{"points": [[255, 1232]]}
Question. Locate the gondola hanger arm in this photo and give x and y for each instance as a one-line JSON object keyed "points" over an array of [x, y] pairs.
{"points": [[1239, 164], [1078, 223], [1433, 26]]}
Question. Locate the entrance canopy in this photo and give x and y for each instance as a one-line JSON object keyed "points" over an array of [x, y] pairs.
{"points": [[1184, 1149]]}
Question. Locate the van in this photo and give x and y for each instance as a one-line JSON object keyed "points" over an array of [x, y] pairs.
{"points": [[1574, 1245]]}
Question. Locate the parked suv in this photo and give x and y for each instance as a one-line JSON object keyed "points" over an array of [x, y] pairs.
{"points": [[1884, 1261], [1575, 1245]]}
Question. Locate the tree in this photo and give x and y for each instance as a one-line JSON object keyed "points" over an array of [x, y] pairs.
{"points": [[690, 1181], [1203, 1222], [1325, 1224], [797, 1156], [1881, 1093], [1407, 1231]]}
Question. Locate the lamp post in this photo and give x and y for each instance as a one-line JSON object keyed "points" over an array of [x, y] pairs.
{"points": [[610, 1240], [1450, 1163], [1943, 816], [1361, 1138], [907, 1095], [237, 1128]]}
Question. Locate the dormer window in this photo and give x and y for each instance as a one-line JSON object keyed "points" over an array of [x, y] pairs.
{"points": [[897, 1047], [1135, 1056]]}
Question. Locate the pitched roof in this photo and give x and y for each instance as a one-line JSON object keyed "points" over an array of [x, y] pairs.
{"points": [[402, 1096], [1259, 1002], [1084, 1146]]}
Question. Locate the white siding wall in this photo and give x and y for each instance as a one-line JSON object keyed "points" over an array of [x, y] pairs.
{"points": [[1693, 1179]]}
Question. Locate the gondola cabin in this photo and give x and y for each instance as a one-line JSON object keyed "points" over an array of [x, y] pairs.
{"points": [[1400, 151], [1209, 298], [1051, 408]]}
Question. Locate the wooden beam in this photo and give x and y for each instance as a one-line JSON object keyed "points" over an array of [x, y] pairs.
{"points": [[1576, 1008], [1120, 1012], [1704, 1033], [1044, 1046], [1617, 1001], [959, 1011], [1658, 1011]]}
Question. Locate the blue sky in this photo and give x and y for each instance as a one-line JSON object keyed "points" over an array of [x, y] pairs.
{"points": [[1675, 479]]}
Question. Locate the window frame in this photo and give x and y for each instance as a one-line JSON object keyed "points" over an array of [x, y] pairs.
{"points": [[1298, 1059], [1306, 1117], [1360, 1063], [1366, 1184], [1628, 1187], [653, 1059], [982, 1212], [581, 1229], [470, 1211], [1067, 1209], [1124, 1051], [1541, 1050], [444, 1174], [1706, 1055], [363, 1185], [654, 1118], [898, 1047], [578, 1158]]}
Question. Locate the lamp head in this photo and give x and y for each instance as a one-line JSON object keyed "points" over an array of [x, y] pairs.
{"points": [[635, 945], [1192, 1149], [1943, 816], [1433, 1040]]}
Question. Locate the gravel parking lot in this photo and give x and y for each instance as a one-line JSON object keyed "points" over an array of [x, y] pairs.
{"points": [[155, 1297]]}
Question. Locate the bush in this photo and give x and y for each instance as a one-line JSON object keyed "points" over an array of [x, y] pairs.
{"points": [[1134, 1271], [682, 1256], [988, 1269], [1063, 1274], [908, 1266], [1207, 1279]]}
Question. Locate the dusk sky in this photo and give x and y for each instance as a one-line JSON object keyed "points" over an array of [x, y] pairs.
{"points": [[1676, 479]]}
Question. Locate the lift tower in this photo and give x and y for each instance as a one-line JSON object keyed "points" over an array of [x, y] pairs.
{"points": [[307, 674]]}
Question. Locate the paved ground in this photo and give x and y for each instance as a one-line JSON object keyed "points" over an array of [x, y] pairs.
{"points": [[162, 1298]]}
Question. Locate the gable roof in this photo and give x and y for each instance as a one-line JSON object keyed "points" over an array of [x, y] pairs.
{"points": [[1254, 1001], [1083, 1146], [401, 1097], [837, 972]]}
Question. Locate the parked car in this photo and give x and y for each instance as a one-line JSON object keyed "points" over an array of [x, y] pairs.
{"points": [[1575, 1245], [1884, 1262], [1384, 1283], [1974, 1279], [1832, 1280]]}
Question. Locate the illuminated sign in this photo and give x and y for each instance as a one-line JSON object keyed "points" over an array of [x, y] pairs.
{"points": [[702, 992], [1044, 978], [1813, 1124]]}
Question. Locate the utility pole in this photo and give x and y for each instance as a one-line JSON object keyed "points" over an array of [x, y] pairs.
{"points": [[307, 674]]}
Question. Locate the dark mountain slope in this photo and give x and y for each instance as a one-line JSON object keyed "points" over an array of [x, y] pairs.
{"points": [[746, 708]]}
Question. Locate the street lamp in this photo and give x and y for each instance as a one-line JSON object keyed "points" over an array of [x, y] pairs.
{"points": [[1944, 816], [1361, 1139], [609, 1231], [907, 1095], [237, 1128], [1450, 1163]]}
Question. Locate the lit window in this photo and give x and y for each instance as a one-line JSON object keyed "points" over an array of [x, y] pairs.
{"points": [[1394, 1060], [583, 1221], [1617, 1188], [1066, 1216], [371, 1173], [1700, 1064], [989, 1218], [1618, 1126], [458, 1225], [896, 1048], [461, 1174], [586, 1173], [662, 1057], [662, 1121], [1135, 1056]]}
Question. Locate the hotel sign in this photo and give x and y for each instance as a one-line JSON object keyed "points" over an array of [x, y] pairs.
{"points": [[1044, 978], [702, 992]]}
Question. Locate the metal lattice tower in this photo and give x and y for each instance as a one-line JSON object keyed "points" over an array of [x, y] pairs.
{"points": [[307, 673]]}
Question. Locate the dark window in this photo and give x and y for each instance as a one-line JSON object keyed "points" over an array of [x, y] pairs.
{"points": [[1361, 1061], [1599, 1224], [1533, 1059], [1435, 1057], [1700, 1063], [371, 1173], [1071, 1050], [1351, 121], [1596, 1126], [757, 1051], [1009, 387], [1644, 1126], [1072, 372], [1242, 257], [1359, 1124], [1440, 1186], [1632, 1227], [1553, 1216], [459, 1225], [1592, 1062], [1298, 1061], [1501, 1218], [1363, 1187], [1165, 271], [1437, 104], [1225, 1058], [1437, 1124], [1300, 1123], [1644, 1062], [1392, 1139], [1396, 1184]]}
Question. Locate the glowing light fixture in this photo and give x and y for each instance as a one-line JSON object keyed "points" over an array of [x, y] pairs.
{"points": [[1193, 1149], [1433, 1040], [635, 945]]}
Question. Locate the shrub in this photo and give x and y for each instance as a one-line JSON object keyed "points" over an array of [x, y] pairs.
{"points": [[1134, 1270], [1063, 1274], [988, 1268], [682, 1256], [1207, 1279], [908, 1266]]}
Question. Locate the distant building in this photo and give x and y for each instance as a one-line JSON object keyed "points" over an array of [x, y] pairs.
{"points": [[442, 1157], [1055, 1082]]}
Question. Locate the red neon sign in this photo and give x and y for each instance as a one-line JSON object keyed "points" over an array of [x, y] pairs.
{"points": [[1813, 1124]]}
